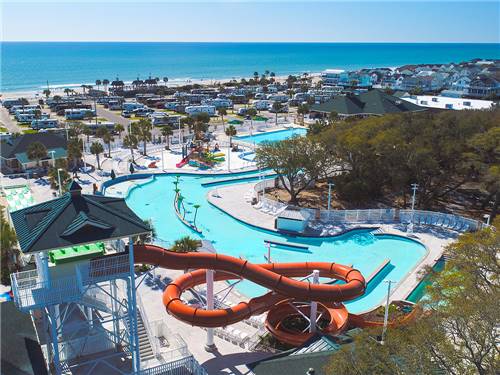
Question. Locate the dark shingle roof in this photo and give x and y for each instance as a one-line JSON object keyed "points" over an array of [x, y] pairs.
{"points": [[21, 353], [20, 144], [74, 219], [315, 353], [373, 102]]}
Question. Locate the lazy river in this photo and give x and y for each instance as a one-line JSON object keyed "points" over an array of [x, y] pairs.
{"points": [[366, 252]]}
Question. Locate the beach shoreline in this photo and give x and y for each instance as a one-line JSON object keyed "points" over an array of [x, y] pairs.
{"points": [[173, 83]]}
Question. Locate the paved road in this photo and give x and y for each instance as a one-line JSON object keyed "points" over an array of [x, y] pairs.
{"points": [[7, 121], [113, 117]]}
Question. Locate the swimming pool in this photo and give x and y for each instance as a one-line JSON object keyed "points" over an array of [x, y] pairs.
{"points": [[274, 136], [360, 248]]}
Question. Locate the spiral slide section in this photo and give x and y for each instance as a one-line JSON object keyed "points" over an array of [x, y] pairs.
{"points": [[277, 277]]}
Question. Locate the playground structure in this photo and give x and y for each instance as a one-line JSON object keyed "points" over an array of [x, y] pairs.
{"points": [[287, 297], [201, 157]]}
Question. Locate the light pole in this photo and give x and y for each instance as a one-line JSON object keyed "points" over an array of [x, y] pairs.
{"points": [[52, 152], [180, 138], [386, 314], [414, 187], [59, 180], [330, 185]]}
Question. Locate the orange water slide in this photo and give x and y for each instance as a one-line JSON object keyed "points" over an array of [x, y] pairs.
{"points": [[277, 277]]}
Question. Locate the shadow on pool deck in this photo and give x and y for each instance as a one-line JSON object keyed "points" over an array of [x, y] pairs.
{"points": [[220, 364]]}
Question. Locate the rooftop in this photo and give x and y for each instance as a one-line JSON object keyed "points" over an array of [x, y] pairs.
{"points": [[373, 102], [74, 219]]}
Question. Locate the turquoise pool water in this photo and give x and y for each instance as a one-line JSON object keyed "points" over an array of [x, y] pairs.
{"points": [[360, 248], [272, 136], [420, 291]]}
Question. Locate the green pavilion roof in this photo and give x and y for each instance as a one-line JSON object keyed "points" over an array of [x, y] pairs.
{"points": [[59, 153], [74, 219]]}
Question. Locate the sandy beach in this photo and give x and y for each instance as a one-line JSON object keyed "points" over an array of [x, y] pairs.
{"points": [[175, 82]]}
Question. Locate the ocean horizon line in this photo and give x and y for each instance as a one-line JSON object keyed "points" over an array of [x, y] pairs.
{"points": [[245, 42]]}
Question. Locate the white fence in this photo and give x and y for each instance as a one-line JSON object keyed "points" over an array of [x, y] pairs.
{"points": [[373, 216]]}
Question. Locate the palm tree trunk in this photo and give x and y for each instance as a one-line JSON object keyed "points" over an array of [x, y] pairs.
{"points": [[109, 149], [98, 161], [144, 141]]}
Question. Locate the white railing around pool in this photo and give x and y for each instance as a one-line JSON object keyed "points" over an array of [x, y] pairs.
{"points": [[372, 216]]}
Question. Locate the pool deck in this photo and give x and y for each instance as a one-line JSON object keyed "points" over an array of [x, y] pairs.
{"points": [[230, 199]]}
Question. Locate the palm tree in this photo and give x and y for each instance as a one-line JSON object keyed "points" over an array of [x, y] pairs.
{"points": [[62, 175], [46, 92], [130, 141], [165, 80], [185, 245], [167, 131], [277, 107], [120, 129], [251, 112], [201, 121], [75, 147], [302, 110], [36, 151], [105, 82], [230, 132], [98, 83], [196, 207], [67, 91], [96, 149], [222, 112], [8, 241], [142, 129], [103, 133], [87, 131]]}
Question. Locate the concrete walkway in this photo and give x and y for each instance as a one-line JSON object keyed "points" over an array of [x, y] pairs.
{"points": [[230, 199]]}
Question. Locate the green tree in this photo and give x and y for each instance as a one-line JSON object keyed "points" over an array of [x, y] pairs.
{"points": [[96, 149], [457, 334], [9, 252], [297, 161], [222, 112], [75, 147], [167, 131], [251, 112], [143, 130], [36, 151], [105, 82], [120, 129], [87, 131], [230, 132], [276, 107], [46, 92], [106, 136], [201, 121], [185, 245], [98, 83], [302, 110], [130, 141], [53, 175], [67, 91]]}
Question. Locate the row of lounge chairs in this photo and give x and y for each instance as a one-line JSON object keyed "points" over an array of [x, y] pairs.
{"points": [[445, 221]]}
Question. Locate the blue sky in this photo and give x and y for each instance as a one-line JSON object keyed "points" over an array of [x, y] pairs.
{"points": [[263, 21]]}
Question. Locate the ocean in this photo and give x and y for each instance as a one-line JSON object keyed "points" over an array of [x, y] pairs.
{"points": [[28, 66]]}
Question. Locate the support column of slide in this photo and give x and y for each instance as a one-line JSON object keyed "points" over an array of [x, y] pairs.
{"points": [[210, 345], [314, 305], [132, 311]]}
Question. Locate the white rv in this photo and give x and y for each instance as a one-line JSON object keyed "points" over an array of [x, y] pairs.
{"points": [[194, 109]]}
